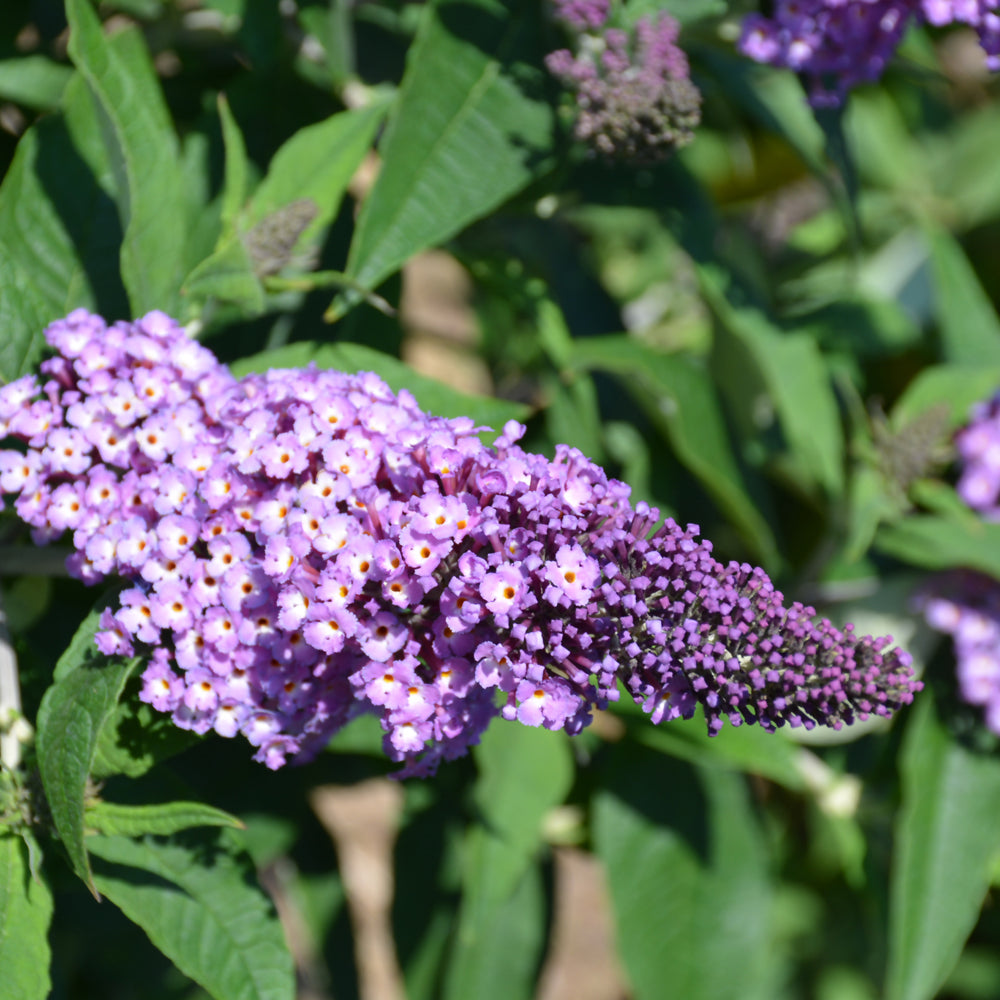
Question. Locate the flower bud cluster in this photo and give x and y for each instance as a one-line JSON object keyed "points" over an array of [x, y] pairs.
{"points": [[635, 99], [303, 546], [839, 44]]}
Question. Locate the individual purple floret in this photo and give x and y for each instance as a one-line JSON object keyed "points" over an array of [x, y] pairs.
{"points": [[303, 546], [839, 44], [635, 99]]}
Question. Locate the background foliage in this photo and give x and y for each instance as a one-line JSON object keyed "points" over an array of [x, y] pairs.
{"points": [[774, 334]]}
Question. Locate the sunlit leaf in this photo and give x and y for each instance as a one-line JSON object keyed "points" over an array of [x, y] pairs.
{"points": [[471, 127], [947, 841], [195, 897], [25, 914]]}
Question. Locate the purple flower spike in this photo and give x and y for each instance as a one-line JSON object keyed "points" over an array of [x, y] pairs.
{"points": [[978, 446], [633, 90], [311, 547], [966, 604], [839, 44]]}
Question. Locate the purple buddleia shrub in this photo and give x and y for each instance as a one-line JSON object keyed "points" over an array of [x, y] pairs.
{"points": [[304, 546], [839, 44]]}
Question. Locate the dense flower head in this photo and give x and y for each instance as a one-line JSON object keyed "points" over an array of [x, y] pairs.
{"points": [[633, 91], [302, 546], [839, 44]]}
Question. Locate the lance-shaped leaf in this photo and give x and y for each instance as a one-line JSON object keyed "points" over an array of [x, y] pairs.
{"points": [[687, 869], [957, 386], [194, 895], [143, 150], [295, 201], [72, 715], [968, 324], [947, 843], [943, 542], [119, 820], [25, 914], [470, 129], [34, 81], [523, 774], [59, 231], [680, 399]]}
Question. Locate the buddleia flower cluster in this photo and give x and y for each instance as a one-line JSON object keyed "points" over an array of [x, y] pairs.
{"points": [[303, 546], [966, 604], [978, 446], [839, 44], [635, 99]]}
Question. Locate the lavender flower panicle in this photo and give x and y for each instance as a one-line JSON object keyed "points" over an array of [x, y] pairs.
{"points": [[634, 93], [839, 44], [966, 604], [304, 546], [978, 445]]}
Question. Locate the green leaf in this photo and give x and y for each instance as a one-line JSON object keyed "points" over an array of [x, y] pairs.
{"points": [[136, 736], [885, 149], [471, 127], [496, 951], [684, 11], [25, 915], [794, 373], [687, 870], [959, 386], [680, 399], [433, 396], [72, 714], [23, 314], [162, 819], [947, 842], [962, 161], [861, 326], [236, 180], [943, 543], [201, 909], [523, 774], [743, 748], [143, 149], [227, 275], [34, 81], [967, 321], [316, 164], [59, 232], [869, 506]]}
